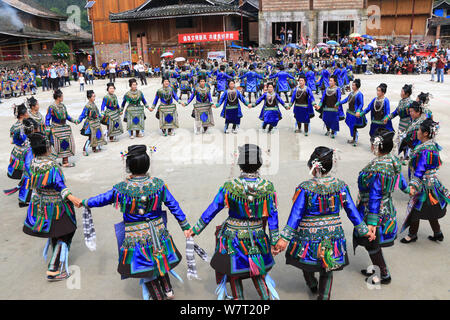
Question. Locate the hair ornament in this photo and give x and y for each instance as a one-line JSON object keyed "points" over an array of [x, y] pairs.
{"points": [[316, 164]]}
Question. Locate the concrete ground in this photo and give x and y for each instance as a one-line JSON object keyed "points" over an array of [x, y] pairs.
{"points": [[194, 167]]}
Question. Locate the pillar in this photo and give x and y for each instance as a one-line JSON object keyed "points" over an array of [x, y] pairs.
{"points": [[438, 31], [144, 48], [25, 51]]}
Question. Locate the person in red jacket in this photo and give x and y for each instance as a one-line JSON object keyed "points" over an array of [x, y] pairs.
{"points": [[440, 68]]}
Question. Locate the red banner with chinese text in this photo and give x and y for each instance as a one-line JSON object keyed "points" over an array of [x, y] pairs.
{"points": [[208, 36]]}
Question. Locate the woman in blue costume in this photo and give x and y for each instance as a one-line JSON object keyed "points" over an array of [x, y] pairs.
{"points": [[353, 117], [231, 110], [313, 235], [135, 110], [20, 141], [111, 113], [329, 108], [33, 106], [61, 133], [293, 72], [51, 213], [324, 80], [202, 95], [379, 109], [424, 99], [185, 86], [311, 78], [337, 73], [402, 111], [410, 136], [24, 188], [270, 112], [429, 198], [222, 79], [303, 102], [91, 127], [146, 249], [241, 71], [252, 82], [376, 183], [166, 95], [243, 249], [343, 77], [282, 81]]}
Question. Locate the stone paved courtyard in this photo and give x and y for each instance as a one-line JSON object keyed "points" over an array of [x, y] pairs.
{"points": [[194, 167]]}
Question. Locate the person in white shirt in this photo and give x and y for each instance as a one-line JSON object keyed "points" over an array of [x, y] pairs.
{"points": [[289, 35], [140, 69], [81, 80], [112, 70]]}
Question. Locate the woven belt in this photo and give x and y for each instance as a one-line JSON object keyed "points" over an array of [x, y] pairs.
{"points": [[319, 222], [244, 224], [47, 192], [140, 225]]}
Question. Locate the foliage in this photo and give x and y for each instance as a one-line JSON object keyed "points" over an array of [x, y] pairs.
{"points": [[60, 7], [60, 50]]}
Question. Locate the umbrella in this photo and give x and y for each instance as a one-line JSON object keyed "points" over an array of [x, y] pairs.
{"points": [[104, 65], [292, 45], [125, 63], [367, 47], [433, 60], [179, 59], [332, 43], [366, 36], [235, 46], [355, 35], [322, 45], [167, 54]]}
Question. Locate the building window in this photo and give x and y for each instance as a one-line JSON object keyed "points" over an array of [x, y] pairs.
{"points": [[184, 23]]}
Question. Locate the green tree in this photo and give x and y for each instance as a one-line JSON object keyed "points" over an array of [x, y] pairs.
{"points": [[60, 50], [60, 7]]}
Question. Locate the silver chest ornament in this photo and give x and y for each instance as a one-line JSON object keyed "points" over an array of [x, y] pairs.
{"points": [[250, 191], [142, 205]]}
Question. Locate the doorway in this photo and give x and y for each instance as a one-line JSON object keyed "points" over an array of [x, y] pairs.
{"points": [[336, 30], [281, 32]]}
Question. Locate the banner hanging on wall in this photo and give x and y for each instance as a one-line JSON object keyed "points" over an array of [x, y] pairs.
{"points": [[208, 37]]}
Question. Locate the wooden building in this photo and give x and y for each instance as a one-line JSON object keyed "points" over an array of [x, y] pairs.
{"points": [[155, 25], [402, 20], [439, 24], [28, 32], [111, 40]]}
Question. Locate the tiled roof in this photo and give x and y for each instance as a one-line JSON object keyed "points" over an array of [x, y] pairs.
{"points": [[177, 10], [8, 28], [34, 8]]}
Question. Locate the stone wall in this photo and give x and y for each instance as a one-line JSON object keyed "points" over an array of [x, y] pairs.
{"points": [[311, 21]]}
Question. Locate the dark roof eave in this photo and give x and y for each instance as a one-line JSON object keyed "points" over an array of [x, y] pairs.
{"points": [[228, 13], [37, 36]]}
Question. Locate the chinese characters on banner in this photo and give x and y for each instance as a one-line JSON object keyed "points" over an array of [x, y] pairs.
{"points": [[208, 36]]}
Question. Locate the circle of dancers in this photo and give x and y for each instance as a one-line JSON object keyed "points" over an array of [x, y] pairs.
{"points": [[247, 240]]}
